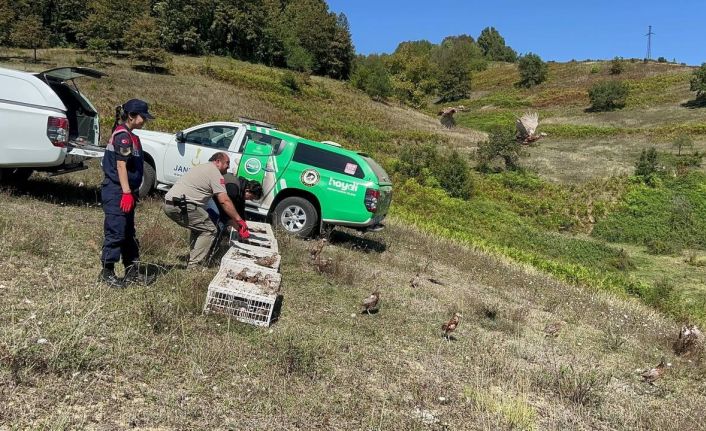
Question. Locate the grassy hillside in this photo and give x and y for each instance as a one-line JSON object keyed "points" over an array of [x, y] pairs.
{"points": [[146, 357]]}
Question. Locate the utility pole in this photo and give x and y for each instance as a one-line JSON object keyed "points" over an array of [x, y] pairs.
{"points": [[649, 43]]}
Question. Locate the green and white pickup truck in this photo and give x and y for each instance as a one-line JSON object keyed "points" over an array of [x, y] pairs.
{"points": [[308, 185]]}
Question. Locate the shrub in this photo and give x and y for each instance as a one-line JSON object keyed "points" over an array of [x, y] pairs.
{"points": [[533, 70], [647, 165], [501, 144], [454, 177], [617, 65], [607, 96], [698, 81], [661, 60], [290, 81]]}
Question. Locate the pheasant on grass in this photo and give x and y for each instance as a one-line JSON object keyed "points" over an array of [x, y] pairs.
{"points": [[451, 325], [553, 329], [371, 302], [653, 374]]}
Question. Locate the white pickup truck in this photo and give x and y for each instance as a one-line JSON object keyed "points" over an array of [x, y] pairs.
{"points": [[46, 123], [169, 156]]}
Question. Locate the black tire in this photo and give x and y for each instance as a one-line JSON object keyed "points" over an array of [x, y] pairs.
{"points": [[148, 180], [296, 216]]}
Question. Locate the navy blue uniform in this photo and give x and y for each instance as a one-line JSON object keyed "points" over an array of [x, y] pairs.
{"points": [[119, 227]]}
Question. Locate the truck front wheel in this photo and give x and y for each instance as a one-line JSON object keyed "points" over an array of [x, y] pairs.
{"points": [[297, 216], [148, 178]]}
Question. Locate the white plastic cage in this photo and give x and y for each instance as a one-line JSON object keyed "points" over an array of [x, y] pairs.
{"points": [[243, 301]]}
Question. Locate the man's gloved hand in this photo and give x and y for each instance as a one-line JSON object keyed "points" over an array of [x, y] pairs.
{"points": [[127, 202], [243, 229]]}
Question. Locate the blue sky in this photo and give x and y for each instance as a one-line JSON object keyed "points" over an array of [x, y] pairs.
{"points": [[554, 29]]}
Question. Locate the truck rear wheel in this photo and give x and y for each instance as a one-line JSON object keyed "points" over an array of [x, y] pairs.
{"points": [[148, 177], [297, 216]]}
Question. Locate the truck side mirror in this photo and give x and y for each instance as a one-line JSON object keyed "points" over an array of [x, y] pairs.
{"points": [[180, 137]]}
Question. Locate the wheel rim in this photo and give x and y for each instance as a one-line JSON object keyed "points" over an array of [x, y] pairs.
{"points": [[293, 218]]}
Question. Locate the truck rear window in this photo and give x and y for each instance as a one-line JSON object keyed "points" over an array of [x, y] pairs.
{"points": [[310, 155]]}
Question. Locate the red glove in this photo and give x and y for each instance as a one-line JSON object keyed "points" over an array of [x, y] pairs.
{"points": [[127, 202], [243, 229]]}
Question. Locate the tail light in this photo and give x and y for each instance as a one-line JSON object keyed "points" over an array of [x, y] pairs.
{"points": [[371, 199], [58, 131]]}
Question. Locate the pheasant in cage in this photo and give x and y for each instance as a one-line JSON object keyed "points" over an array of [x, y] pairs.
{"points": [[446, 116], [527, 128]]}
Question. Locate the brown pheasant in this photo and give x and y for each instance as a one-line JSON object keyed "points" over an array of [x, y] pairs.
{"points": [[553, 329], [268, 261], [656, 373], [451, 325], [371, 302], [415, 281]]}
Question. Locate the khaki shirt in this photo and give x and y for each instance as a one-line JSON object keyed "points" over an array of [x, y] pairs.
{"points": [[198, 185]]}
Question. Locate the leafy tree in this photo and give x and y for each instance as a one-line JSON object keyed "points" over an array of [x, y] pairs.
{"points": [[7, 17], [100, 22], [142, 39], [29, 32], [181, 23], [341, 51], [608, 95], [98, 48], [456, 58], [533, 70], [493, 46], [698, 81], [682, 142], [617, 65], [501, 144], [414, 74], [370, 75]]}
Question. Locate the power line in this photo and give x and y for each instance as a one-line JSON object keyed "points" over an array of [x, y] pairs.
{"points": [[649, 43]]}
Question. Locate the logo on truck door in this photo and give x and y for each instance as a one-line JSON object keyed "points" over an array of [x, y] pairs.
{"points": [[310, 177], [253, 166]]}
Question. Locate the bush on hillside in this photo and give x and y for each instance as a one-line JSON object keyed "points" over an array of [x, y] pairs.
{"points": [[647, 166], [501, 145], [429, 168], [608, 95], [143, 40], [617, 66], [533, 70], [97, 48], [29, 32], [698, 81]]}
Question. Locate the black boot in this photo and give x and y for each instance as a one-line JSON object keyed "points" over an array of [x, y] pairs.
{"points": [[135, 274], [108, 277]]}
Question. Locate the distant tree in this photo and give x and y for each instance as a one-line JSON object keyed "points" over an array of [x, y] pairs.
{"points": [[28, 32], [181, 23], [297, 57], [608, 95], [341, 51], [414, 74], [100, 22], [370, 75], [7, 16], [142, 38], [682, 142], [532, 69], [493, 46], [97, 48], [501, 144], [698, 81], [661, 60], [617, 65]]}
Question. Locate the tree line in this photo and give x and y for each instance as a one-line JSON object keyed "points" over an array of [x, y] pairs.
{"points": [[298, 34], [419, 69]]}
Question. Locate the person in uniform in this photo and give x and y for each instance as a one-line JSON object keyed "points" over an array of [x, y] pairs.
{"points": [[238, 190], [122, 171], [186, 201]]}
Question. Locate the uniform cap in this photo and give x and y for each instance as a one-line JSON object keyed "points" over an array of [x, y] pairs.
{"points": [[138, 106]]}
